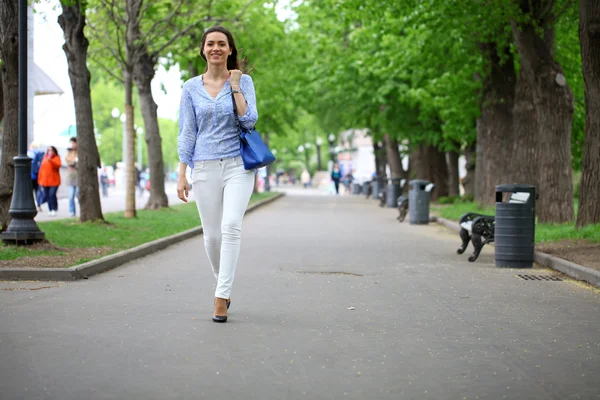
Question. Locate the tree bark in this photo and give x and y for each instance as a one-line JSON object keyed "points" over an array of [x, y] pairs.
{"points": [[380, 162], [393, 157], [9, 40], [453, 173], [468, 182], [143, 73], [430, 164], [494, 127], [72, 22], [1, 98], [589, 36], [132, 38], [130, 211], [551, 118]]}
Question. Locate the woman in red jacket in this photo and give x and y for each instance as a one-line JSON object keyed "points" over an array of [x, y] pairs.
{"points": [[49, 178]]}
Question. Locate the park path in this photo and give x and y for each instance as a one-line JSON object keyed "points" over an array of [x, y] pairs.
{"points": [[334, 299]]}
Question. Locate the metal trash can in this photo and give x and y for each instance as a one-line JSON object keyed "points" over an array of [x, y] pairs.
{"points": [[393, 191], [418, 202], [356, 188], [376, 189], [514, 232], [365, 187]]}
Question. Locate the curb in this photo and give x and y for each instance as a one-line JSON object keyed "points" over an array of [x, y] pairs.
{"points": [[566, 267], [85, 270]]}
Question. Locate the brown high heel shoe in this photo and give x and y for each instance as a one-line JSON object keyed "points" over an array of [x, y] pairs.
{"points": [[219, 309]]}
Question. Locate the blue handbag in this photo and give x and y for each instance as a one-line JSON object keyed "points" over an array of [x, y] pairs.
{"points": [[255, 152]]}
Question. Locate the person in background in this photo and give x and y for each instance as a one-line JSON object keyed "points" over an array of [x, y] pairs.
{"points": [[336, 175], [104, 182], [305, 178], [36, 156], [71, 159], [49, 178]]}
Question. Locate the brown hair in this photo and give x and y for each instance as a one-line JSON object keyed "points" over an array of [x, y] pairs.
{"points": [[232, 60]]}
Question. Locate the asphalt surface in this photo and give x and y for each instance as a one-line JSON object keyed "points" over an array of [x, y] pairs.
{"points": [[334, 299]]}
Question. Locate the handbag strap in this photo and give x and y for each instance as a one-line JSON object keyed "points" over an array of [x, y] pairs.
{"points": [[237, 118]]}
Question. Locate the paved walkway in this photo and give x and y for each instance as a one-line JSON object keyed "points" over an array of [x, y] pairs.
{"points": [[334, 299]]}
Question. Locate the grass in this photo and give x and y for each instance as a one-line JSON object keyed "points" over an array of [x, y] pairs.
{"points": [[544, 233], [117, 233]]}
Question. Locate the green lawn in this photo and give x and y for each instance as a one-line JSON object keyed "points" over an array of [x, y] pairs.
{"points": [[543, 232], [118, 233]]}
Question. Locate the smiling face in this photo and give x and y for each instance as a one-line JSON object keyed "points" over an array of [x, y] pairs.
{"points": [[216, 48]]}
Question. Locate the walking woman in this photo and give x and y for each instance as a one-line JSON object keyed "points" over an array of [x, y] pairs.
{"points": [[49, 178], [209, 143]]}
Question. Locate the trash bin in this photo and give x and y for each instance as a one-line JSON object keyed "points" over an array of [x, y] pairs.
{"points": [[393, 191], [514, 232], [356, 188], [418, 202], [365, 187], [376, 189]]}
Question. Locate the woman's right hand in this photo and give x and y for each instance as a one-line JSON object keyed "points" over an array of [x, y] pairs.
{"points": [[182, 188]]}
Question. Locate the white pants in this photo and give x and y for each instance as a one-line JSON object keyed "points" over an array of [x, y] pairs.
{"points": [[222, 190]]}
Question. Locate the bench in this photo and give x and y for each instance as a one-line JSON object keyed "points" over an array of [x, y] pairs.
{"points": [[479, 229]]}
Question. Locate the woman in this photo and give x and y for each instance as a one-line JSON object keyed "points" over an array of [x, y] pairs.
{"points": [[336, 175], [49, 178], [209, 143]]}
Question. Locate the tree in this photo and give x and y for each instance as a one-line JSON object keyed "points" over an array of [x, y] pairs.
{"points": [[72, 22], [544, 113], [1, 95], [9, 40], [589, 33]]}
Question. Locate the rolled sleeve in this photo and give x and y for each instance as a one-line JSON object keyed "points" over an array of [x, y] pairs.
{"points": [[186, 139], [248, 120]]}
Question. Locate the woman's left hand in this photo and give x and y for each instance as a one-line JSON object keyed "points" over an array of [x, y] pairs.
{"points": [[234, 77]]}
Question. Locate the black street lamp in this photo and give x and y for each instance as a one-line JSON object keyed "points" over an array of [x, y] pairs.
{"points": [[331, 138], [22, 227], [319, 142]]}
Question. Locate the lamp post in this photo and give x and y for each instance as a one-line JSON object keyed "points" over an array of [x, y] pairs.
{"points": [[319, 143], [307, 147], [331, 138], [22, 227], [116, 113], [301, 150]]}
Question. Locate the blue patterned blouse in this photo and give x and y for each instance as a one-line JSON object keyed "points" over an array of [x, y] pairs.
{"points": [[207, 127]]}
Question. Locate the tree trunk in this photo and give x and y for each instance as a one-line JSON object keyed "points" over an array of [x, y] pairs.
{"points": [[430, 164], [9, 40], [72, 22], [589, 36], [130, 180], [143, 73], [192, 70], [453, 173], [393, 157], [468, 182], [552, 116], [494, 127], [1, 98], [380, 162]]}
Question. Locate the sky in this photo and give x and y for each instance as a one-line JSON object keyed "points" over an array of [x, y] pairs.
{"points": [[55, 113]]}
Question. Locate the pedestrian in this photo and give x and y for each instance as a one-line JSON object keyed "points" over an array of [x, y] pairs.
{"points": [[305, 178], [104, 182], [336, 175], [209, 142], [72, 160], [36, 156], [49, 178]]}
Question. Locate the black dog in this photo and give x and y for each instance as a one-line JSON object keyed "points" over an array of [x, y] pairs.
{"points": [[402, 208]]}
